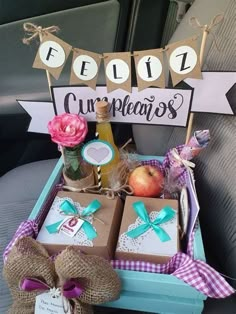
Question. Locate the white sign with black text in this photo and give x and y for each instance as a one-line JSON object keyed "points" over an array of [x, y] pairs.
{"points": [[216, 93], [150, 106]]}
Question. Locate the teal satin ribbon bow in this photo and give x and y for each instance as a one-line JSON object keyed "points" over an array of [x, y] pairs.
{"points": [[69, 209], [166, 214]]}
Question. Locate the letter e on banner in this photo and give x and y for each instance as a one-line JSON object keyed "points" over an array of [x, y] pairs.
{"points": [[52, 55], [117, 69], [184, 60], [149, 68], [85, 66]]}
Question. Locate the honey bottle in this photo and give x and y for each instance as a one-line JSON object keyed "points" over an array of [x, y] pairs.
{"points": [[104, 130]]}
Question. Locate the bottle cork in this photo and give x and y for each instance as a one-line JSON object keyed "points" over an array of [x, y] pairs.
{"points": [[102, 111]]}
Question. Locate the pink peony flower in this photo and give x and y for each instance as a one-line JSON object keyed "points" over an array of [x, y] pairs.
{"points": [[68, 129]]}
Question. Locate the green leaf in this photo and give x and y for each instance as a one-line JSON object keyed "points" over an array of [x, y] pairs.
{"points": [[74, 164]]}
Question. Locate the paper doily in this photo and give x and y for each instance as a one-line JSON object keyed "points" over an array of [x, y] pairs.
{"points": [[80, 238], [149, 242]]}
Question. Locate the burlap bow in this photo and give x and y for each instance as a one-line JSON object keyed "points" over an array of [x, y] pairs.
{"points": [[29, 259]]}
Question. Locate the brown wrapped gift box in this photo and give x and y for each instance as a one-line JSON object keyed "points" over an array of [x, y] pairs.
{"points": [[104, 244], [129, 217]]}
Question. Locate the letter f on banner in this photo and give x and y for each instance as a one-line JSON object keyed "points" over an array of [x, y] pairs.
{"points": [[52, 55], [184, 60]]}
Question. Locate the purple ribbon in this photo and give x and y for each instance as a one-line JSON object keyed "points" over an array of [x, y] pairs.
{"points": [[71, 288]]}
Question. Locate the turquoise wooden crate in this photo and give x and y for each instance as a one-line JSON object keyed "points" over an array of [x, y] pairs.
{"points": [[148, 292]]}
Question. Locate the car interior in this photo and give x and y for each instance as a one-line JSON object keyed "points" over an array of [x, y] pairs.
{"points": [[27, 159]]}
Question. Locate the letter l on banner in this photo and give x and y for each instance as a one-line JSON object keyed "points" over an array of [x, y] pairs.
{"points": [[118, 71]]}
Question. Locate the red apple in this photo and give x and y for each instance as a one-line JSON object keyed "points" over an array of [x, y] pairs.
{"points": [[146, 181]]}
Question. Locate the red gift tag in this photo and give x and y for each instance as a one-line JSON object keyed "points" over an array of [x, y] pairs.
{"points": [[71, 226]]}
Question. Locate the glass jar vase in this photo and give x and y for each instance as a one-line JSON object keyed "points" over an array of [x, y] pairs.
{"points": [[77, 172], [74, 166]]}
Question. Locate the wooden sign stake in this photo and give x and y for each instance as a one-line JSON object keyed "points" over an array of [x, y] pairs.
{"points": [[191, 117], [33, 31], [206, 30], [47, 72]]}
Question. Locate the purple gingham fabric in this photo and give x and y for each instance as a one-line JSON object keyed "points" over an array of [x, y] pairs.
{"points": [[28, 228], [195, 273], [155, 163], [169, 162]]}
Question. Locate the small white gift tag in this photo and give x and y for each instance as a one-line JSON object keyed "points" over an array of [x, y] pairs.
{"points": [[51, 302], [71, 226], [184, 209]]}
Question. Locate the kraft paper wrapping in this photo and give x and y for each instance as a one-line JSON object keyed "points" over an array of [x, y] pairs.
{"points": [[104, 244], [196, 70], [129, 218], [39, 64], [112, 85], [158, 82], [74, 79]]}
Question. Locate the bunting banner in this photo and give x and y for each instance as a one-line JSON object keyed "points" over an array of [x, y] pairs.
{"points": [[85, 67], [118, 71], [184, 60], [52, 54], [149, 68], [182, 56]]}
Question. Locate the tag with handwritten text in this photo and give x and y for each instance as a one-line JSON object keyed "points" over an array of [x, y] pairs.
{"points": [[46, 303]]}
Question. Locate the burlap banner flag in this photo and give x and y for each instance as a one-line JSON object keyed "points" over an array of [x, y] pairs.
{"points": [[184, 60], [52, 54], [85, 67], [118, 71], [149, 68]]}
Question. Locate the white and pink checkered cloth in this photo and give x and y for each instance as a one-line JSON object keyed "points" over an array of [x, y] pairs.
{"points": [[195, 273]]}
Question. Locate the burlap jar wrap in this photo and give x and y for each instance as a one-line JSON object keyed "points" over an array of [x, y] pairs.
{"points": [[28, 259], [82, 183]]}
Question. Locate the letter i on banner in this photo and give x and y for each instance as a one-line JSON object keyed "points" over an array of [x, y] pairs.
{"points": [[149, 68], [118, 70], [52, 54], [184, 60], [85, 67]]}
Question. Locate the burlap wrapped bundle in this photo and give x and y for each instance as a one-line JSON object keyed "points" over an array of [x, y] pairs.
{"points": [[28, 259]]}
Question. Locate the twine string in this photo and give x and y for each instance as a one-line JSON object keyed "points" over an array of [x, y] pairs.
{"points": [[111, 193], [34, 31], [89, 189], [79, 216], [52, 290], [194, 22]]}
